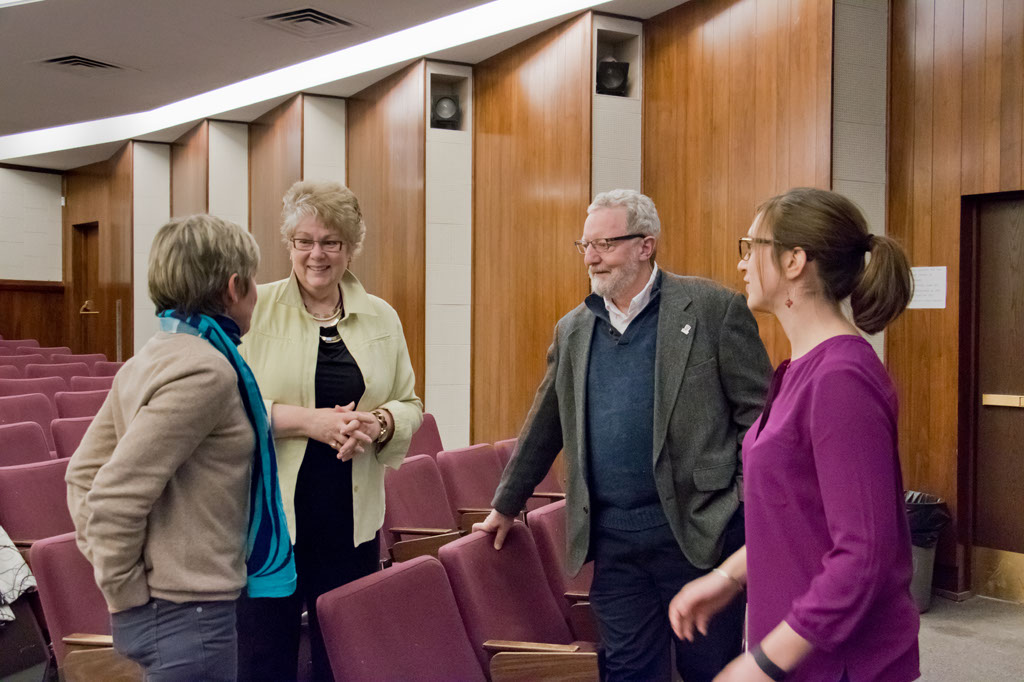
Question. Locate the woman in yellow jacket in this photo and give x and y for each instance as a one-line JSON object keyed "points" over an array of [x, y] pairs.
{"points": [[334, 369]]}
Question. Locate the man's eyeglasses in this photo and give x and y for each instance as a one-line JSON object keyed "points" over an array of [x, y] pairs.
{"points": [[326, 245], [747, 243], [604, 245]]}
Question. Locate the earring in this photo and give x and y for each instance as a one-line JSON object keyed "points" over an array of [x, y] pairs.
{"points": [[789, 300]]}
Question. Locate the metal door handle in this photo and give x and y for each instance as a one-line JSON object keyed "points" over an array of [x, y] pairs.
{"points": [[84, 310], [999, 400]]}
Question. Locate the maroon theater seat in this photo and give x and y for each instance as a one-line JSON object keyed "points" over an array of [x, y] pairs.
{"points": [[23, 443], [80, 403], [399, 624], [48, 386], [106, 369], [505, 448], [34, 407], [470, 477], [9, 372], [427, 439], [68, 433], [503, 595], [46, 351], [21, 361], [91, 383], [416, 504], [88, 358], [33, 500], [18, 343], [64, 370]]}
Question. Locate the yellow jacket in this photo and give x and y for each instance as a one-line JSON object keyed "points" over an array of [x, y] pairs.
{"points": [[282, 346]]}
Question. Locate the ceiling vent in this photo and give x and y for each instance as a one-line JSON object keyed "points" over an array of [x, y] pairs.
{"points": [[74, 63], [307, 23]]}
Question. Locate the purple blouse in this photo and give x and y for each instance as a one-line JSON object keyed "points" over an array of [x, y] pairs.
{"points": [[828, 546]]}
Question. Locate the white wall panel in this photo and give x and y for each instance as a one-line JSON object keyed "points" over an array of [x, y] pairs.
{"points": [[323, 138], [151, 209], [229, 171], [30, 226]]}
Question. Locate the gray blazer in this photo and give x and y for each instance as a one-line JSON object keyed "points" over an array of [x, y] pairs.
{"points": [[711, 378]]}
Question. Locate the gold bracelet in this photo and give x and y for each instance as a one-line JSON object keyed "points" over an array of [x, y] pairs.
{"points": [[719, 571], [383, 422]]}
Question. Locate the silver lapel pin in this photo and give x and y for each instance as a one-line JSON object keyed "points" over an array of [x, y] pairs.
{"points": [[686, 329]]}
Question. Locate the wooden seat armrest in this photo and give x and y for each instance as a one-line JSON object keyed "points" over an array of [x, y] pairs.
{"points": [[548, 496], [496, 645], [22, 543], [474, 510], [583, 622], [398, 531], [532, 666], [403, 550], [89, 640], [574, 597]]}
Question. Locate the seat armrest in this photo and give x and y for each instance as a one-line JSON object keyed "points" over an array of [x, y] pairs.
{"points": [[532, 666], [89, 640], [548, 496], [574, 597], [496, 645], [403, 550]]}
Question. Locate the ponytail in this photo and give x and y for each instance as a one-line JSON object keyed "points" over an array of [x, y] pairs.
{"points": [[884, 287]]}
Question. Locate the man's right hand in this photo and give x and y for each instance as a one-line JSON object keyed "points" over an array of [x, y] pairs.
{"points": [[496, 523]]}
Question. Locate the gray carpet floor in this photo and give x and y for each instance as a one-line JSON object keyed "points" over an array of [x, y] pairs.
{"points": [[978, 640]]}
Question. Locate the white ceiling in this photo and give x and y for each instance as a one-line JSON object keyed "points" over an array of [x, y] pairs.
{"points": [[173, 49]]}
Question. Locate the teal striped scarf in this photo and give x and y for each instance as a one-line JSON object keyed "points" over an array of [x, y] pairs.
{"points": [[269, 560]]}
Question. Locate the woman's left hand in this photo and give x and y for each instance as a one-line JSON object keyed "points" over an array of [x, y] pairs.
{"points": [[742, 669], [362, 429]]}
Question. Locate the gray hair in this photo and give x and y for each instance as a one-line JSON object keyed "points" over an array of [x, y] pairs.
{"points": [[332, 203], [192, 260], [641, 215]]}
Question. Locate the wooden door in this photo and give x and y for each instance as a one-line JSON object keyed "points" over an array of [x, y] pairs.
{"points": [[85, 309], [999, 453]]}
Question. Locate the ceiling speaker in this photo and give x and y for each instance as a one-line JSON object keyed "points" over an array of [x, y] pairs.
{"points": [[445, 112], [613, 78]]}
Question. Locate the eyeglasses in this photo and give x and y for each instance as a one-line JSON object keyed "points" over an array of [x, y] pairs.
{"points": [[747, 243], [326, 245], [604, 245]]}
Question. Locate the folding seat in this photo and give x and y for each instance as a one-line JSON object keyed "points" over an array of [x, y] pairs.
{"points": [[106, 369], [504, 596], [33, 501], [546, 491], [64, 370], [9, 372], [21, 361], [572, 593], [76, 613], [88, 358], [505, 448], [33, 407], [417, 516], [48, 386], [23, 443], [46, 351], [470, 478], [79, 403], [68, 433], [427, 439], [15, 344], [91, 383]]}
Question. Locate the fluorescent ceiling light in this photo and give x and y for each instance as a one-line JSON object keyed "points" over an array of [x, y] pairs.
{"points": [[12, 3], [456, 29]]}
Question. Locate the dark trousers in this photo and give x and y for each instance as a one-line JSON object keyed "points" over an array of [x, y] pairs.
{"points": [[179, 642], [636, 574]]}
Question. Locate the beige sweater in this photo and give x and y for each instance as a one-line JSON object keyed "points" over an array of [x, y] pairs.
{"points": [[159, 487]]}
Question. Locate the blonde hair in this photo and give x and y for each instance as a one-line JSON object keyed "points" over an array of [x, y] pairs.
{"points": [[192, 260], [833, 233], [332, 203]]}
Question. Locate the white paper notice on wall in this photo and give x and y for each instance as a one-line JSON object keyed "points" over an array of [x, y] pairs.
{"points": [[929, 287]]}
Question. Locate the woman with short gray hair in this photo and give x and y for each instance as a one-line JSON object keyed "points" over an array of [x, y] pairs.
{"points": [[159, 488]]}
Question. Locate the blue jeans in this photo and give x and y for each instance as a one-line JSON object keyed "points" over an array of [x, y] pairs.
{"points": [[179, 642]]}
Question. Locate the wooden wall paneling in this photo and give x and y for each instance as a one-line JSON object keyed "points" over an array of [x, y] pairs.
{"points": [[190, 172], [33, 310], [531, 188], [385, 146], [275, 163], [737, 108]]}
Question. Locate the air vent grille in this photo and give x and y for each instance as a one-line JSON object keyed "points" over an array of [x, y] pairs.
{"points": [[76, 62], [307, 23]]}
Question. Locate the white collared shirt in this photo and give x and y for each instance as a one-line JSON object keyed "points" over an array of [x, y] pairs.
{"points": [[620, 320]]}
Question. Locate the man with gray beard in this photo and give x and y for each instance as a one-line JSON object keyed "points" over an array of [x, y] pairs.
{"points": [[651, 384]]}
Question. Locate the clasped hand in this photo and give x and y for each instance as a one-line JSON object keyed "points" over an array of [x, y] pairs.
{"points": [[345, 429]]}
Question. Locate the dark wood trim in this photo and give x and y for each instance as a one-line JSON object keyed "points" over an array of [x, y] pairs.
{"points": [[32, 169], [45, 287], [967, 427]]}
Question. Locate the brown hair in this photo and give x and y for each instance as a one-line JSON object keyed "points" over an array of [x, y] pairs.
{"points": [[833, 233]]}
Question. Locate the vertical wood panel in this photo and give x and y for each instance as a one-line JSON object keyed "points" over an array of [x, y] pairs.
{"points": [[275, 163], [955, 122], [33, 310], [190, 172], [737, 108], [531, 163], [385, 145]]}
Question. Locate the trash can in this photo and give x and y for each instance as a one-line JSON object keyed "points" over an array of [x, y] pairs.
{"points": [[927, 516]]}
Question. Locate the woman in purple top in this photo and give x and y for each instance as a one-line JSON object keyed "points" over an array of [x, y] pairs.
{"points": [[827, 562]]}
